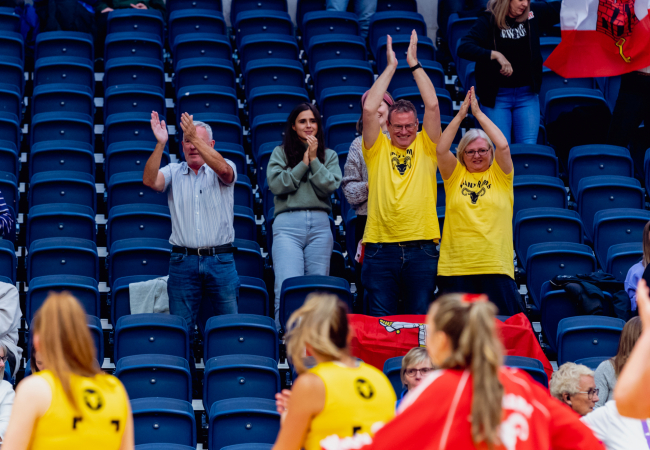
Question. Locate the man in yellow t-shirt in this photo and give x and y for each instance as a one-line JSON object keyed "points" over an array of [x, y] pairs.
{"points": [[401, 258]]}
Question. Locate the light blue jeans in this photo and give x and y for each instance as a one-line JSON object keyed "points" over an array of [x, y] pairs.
{"points": [[516, 113], [364, 9], [302, 245]]}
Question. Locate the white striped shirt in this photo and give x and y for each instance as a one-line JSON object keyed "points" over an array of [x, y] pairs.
{"points": [[201, 206]]}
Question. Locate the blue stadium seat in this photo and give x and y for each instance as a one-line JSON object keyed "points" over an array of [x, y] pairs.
{"points": [[262, 158], [134, 127], [10, 128], [340, 100], [134, 98], [12, 235], [457, 28], [119, 295], [130, 156], [335, 46], [532, 366], [620, 257], [305, 6], [11, 101], [392, 369], [532, 159], [551, 80], [206, 99], [126, 188], [599, 193], [617, 226], [248, 23], [137, 221], [440, 187], [547, 260], [64, 44], [82, 288], [11, 71], [247, 447], [10, 158], [155, 376], [9, 20], [62, 186], [163, 420], [164, 446], [340, 129], [261, 46], [394, 23], [401, 42], [540, 225], [547, 44], [253, 296], [68, 70], [177, 5], [556, 305], [8, 260], [62, 256], [646, 169], [201, 45], [227, 126], [138, 256], [403, 77], [63, 99], [268, 203], [131, 20], [273, 72], [412, 94], [243, 191], [9, 189], [151, 334], [12, 45], [267, 128], [538, 191], [54, 126], [598, 160], [146, 71], [341, 72], [95, 327], [245, 225], [240, 334], [563, 100], [402, 5], [239, 376], [235, 153], [274, 100], [140, 45], [67, 155], [61, 220], [242, 421], [248, 258], [592, 362], [587, 336], [239, 6], [296, 289], [187, 21], [317, 23]]}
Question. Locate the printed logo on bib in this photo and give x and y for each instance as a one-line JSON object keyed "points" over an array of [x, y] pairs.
{"points": [[401, 163], [364, 388], [475, 190], [517, 32], [93, 399]]}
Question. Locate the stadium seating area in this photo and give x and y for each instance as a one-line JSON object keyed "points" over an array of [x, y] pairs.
{"points": [[75, 136]]}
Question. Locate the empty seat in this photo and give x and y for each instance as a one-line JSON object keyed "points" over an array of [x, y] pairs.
{"points": [[155, 376], [128, 126], [394, 23], [340, 129], [68, 70], [532, 366], [82, 288], [141, 45], [244, 223], [243, 420], [9, 157], [9, 20], [151, 334], [340, 100], [62, 256], [70, 156], [275, 100], [620, 257], [63, 99], [130, 70], [592, 362], [260, 46], [273, 72], [133, 98], [412, 94], [253, 296], [175, 5], [119, 295], [131, 20], [138, 256], [11, 100], [556, 304], [401, 42], [335, 46], [532, 159], [243, 192], [267, 128], [392, 369], [563, 100], [547, 260], [239, 376], [341, 72], [138, 221], [538, 191], [95, 327], [130, 156], [457, 28], [617, 226], [12, 45], [296, 289], [61, 220], [10, 128], [317, 23], [64, 44], [584, 337], [402, 5], [163, 420], [646, 169], [63, 186], [165, 446], [9, 262], [239, 6], [235, 153], [547, 44], [248, 258], [201, 45], [9, 189], [186, 21], [240, 334], [206, 99], [551, 80], [262, 22], [246, 447], [54, 126], [11, 72], [228, 126], [126, 188], [403, 77], [598, 160]]}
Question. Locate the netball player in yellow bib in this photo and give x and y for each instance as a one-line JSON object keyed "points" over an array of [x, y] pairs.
{"points": [[72, 404], [339, 396]]}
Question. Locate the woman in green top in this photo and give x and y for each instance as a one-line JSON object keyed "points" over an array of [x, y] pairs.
{"points": [[302, 174]]}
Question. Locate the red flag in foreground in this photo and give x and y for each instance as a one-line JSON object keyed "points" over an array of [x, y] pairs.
{"points": [[379, 338], [602, 38]]}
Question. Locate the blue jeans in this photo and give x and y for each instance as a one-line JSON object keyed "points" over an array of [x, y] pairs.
{"points": [[391, 272], [302, 245], [364, 9], [516, 113]]}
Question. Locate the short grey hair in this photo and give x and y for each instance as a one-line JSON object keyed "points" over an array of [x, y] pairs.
{"points": [[567, 379], [414, 357], [470, 137], [208, 128]]}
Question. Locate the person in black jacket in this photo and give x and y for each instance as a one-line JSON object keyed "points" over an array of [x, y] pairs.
{"points": [[504, 42]]}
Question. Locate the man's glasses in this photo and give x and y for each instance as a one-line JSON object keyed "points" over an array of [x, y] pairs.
{"points": [[407, 127], [423, 372], [590, 393], [481, 152]]}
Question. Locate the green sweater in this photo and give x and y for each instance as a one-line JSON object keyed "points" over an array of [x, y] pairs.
{"points": [[303, 187], [119, 4]]}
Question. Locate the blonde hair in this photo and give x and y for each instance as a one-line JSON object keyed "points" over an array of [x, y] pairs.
{"points": [[65, 343], [566, 379], [470, 137], [630, 334], [646, 245], [322, 322], [500, 9], [475, 346], [414, 357]]}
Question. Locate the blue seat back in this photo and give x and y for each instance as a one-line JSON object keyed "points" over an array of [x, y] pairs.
{"points": [[392, 369], [273, 72], [240, 334], [61, 186], [62, 256], [151, 334], [242, 421], [268, 128], [617, 226], [67, 155], [143, 256], [130, 20], [592, 362], [9, 158], [129, 156], [556, 305], [457, 28], [533, 367], [551, 80], [55, 127], [95, 327], [598, 160], [63, 99], [61, 220], [584, 337], [537, 191], [119, 298], [163, 420], [64, 44], [346, 72], [262, 22], [394, 23], [8, 260], [155, 376], [317, 23], [200, 45], [138, 221], [69, 70], [274, 100], [82, 288], [621, 257], [126, 188], [133, 98], [229, 126], [267, 45], [207, 99], [340, 129], [253, 296], [188, 21], [239, 6], [533, 159], [141, 45], [564, 100], [244, 223], [146, 71], [335, 46], [176, 5], [9, 189]]}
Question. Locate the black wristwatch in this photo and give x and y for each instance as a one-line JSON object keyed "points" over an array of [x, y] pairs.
{"points": [[416, 67]]}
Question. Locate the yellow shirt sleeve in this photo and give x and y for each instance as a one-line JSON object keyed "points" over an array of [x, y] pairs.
{"points": [[371, 153], [428, 145]]}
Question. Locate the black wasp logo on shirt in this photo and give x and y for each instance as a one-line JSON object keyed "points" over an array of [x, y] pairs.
{"points": [[401, 163], [517, 32], [364, 388], [474, 190]]}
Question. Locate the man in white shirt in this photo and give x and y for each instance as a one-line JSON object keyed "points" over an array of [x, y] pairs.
{"points": [[617, 432]]}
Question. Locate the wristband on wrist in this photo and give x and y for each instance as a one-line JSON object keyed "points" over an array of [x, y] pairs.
{"points": [[416, 67]]}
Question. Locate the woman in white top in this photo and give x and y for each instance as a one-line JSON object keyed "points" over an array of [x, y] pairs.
{"points": [[6, 395]]}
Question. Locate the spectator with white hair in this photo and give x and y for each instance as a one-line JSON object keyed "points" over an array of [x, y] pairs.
{"points": [[416, 364], [10, 315], [574, 385]]}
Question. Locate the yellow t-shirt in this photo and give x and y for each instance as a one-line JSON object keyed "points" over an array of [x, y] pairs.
{"points": [[477, 237], [355, 399], [402, 191], [99, 423]]}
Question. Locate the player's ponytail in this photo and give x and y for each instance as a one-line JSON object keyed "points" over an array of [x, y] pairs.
{"points": [[475, 346], [322, 323]]}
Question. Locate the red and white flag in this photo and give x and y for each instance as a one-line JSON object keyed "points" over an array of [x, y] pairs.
{"points": [[602, 38]]}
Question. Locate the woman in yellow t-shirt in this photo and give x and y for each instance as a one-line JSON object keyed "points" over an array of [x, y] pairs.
{"points": [[339, 396], [72, 404], [476, 250]]}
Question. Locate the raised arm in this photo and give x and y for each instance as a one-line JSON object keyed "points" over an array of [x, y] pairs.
{"points": [[446, 159], [501, 147], [152, 176], [212, 158], [431, 122], [371, 128]]}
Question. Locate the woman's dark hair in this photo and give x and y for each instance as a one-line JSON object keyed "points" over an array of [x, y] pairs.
{"points": [[294, 148], [629, 336]]}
